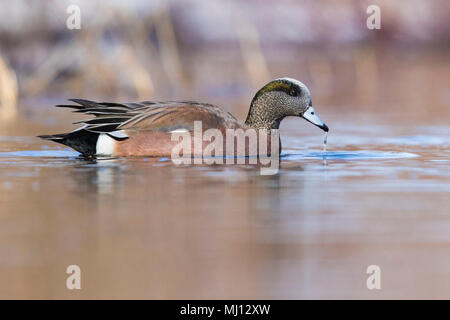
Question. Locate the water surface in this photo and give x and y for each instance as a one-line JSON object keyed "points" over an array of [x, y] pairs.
{"points": [[146, 228]]}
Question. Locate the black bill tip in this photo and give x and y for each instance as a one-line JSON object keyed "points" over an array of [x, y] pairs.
{"points": [[324, 127]]}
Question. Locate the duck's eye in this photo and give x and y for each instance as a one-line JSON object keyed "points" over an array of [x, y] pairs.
{"points": [[293, 93]]}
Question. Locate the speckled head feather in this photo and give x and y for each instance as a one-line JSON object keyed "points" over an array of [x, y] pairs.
{"points": [[287, 85], [276, 100]]}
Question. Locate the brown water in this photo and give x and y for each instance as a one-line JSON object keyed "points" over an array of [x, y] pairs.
{"points": [[145, 228]]}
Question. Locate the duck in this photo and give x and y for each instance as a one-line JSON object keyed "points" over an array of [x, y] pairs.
{"points": [[145, 128]]}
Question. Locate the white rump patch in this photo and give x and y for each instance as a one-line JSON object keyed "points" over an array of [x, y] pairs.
{"points": [[105, 145]]}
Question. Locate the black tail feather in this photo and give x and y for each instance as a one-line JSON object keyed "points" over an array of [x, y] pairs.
{"points": [[82, 141], [52, 137], [108, 116]]}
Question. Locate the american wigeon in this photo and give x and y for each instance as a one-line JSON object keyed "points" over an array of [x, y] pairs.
{"points": [[145, 128]]}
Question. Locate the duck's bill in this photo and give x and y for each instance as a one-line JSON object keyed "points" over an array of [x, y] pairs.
{"points": [[311, 116]]}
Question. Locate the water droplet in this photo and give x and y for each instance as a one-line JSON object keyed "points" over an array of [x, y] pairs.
{"points": [[325, 149]]}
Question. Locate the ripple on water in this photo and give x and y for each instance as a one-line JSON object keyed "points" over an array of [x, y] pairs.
{"points": [[38, 158], [341, 140], [41, 154], [347, 155], [288, 155]]}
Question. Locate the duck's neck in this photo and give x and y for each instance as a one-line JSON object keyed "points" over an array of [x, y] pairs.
{"points": [[262, 114]]}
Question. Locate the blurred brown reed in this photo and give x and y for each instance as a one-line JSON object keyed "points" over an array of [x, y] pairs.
{"points": [[8, 92]]}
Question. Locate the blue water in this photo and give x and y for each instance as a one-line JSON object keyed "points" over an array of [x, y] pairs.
{"points": [[347, 155], [41, 154], [289, 155]]}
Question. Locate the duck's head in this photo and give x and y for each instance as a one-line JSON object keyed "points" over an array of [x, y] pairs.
{"points": [[281, 98]]}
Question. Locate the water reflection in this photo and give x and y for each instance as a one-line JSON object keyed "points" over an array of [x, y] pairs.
{"points": [[146, 228]]}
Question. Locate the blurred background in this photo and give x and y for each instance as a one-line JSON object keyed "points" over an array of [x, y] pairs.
{"points": [[223, 51], [144, 228]]}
